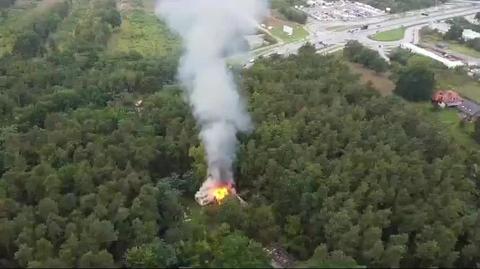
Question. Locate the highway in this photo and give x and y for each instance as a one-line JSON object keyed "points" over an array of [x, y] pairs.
{"points": [[413, 21]]}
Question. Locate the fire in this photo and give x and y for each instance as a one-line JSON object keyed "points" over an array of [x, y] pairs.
{"points": [[220, 194]]}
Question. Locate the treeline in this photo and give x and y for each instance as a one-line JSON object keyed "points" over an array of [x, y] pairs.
{"points": [[295, 15], [287, 9], [356, 52]]}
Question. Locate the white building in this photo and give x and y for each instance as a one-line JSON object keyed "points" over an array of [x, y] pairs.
{"points": [[441, 27], [470, 34], [287, 29], [424, 52]]}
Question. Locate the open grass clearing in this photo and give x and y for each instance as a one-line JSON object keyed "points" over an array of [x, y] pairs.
{"points": [[449, 119], [144, 33], [458, 81], [391, 35], [380, 82], [299, 31]]}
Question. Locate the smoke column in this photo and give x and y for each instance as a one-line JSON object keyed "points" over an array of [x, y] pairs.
{"points": [[211, 31]]}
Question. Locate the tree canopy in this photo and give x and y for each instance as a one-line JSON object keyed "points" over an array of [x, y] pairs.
{"points": [[100, 158], [356, 52], [416, 81]]}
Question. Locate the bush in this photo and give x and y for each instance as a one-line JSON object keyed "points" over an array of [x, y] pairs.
{"points": [[294, 15], [416, 81], [356, 52]]}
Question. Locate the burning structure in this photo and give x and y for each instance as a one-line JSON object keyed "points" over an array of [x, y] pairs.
{"points": [[212, 31], [214, 191], [217, 187]]}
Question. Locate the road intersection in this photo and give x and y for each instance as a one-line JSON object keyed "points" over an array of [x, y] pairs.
{"points": [[413, 21]]}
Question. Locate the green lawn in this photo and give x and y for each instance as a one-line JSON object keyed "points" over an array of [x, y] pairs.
{"points": [[450, 120], [145, 33], [299, 33], [460, 82], [391, 35]]}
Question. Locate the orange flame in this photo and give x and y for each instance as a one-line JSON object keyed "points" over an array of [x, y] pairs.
{"points": [[220, 194]]}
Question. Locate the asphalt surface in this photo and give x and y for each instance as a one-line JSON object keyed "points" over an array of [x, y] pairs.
{"points": [[413, 21]]}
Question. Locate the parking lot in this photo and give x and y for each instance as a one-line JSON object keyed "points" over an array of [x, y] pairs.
{"points": [[340, 10]]}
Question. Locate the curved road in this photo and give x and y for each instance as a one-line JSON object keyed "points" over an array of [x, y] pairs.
{"points": [[413, 21]]}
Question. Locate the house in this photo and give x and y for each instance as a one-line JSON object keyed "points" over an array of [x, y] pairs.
{"points": [[288, 30], [447, 98], [470, 34]]}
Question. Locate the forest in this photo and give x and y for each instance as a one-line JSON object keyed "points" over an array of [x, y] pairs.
{"points": [[100, 159]]}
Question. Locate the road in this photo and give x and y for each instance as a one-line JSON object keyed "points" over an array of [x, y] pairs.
{"points": [[413, 21]]}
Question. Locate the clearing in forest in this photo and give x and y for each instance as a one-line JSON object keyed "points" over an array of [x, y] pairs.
{"points": [[144, 33], [380, 82]]}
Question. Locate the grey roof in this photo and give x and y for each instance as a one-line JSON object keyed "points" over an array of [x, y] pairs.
{"points": [[469, 107]]}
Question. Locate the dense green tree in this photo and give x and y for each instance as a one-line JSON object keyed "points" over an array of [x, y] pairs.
{"points": [[293, 14], [238, 251], [416, 81], [454, 33], [28, 44], [323, 259], [476, 133], [372, 203], [157, 255], [356, 52]]}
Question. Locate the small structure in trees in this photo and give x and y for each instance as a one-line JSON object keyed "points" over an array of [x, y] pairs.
{"points": [[279, 257]]}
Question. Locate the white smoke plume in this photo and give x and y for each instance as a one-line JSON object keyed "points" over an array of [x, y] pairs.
{"points": [[211, 31]]}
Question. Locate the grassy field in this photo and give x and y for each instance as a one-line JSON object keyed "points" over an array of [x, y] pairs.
{"points": [[391, 35], [299, 32], [432, 39], [460, 82], [450, 120], [145, 33], [380, 82]]}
